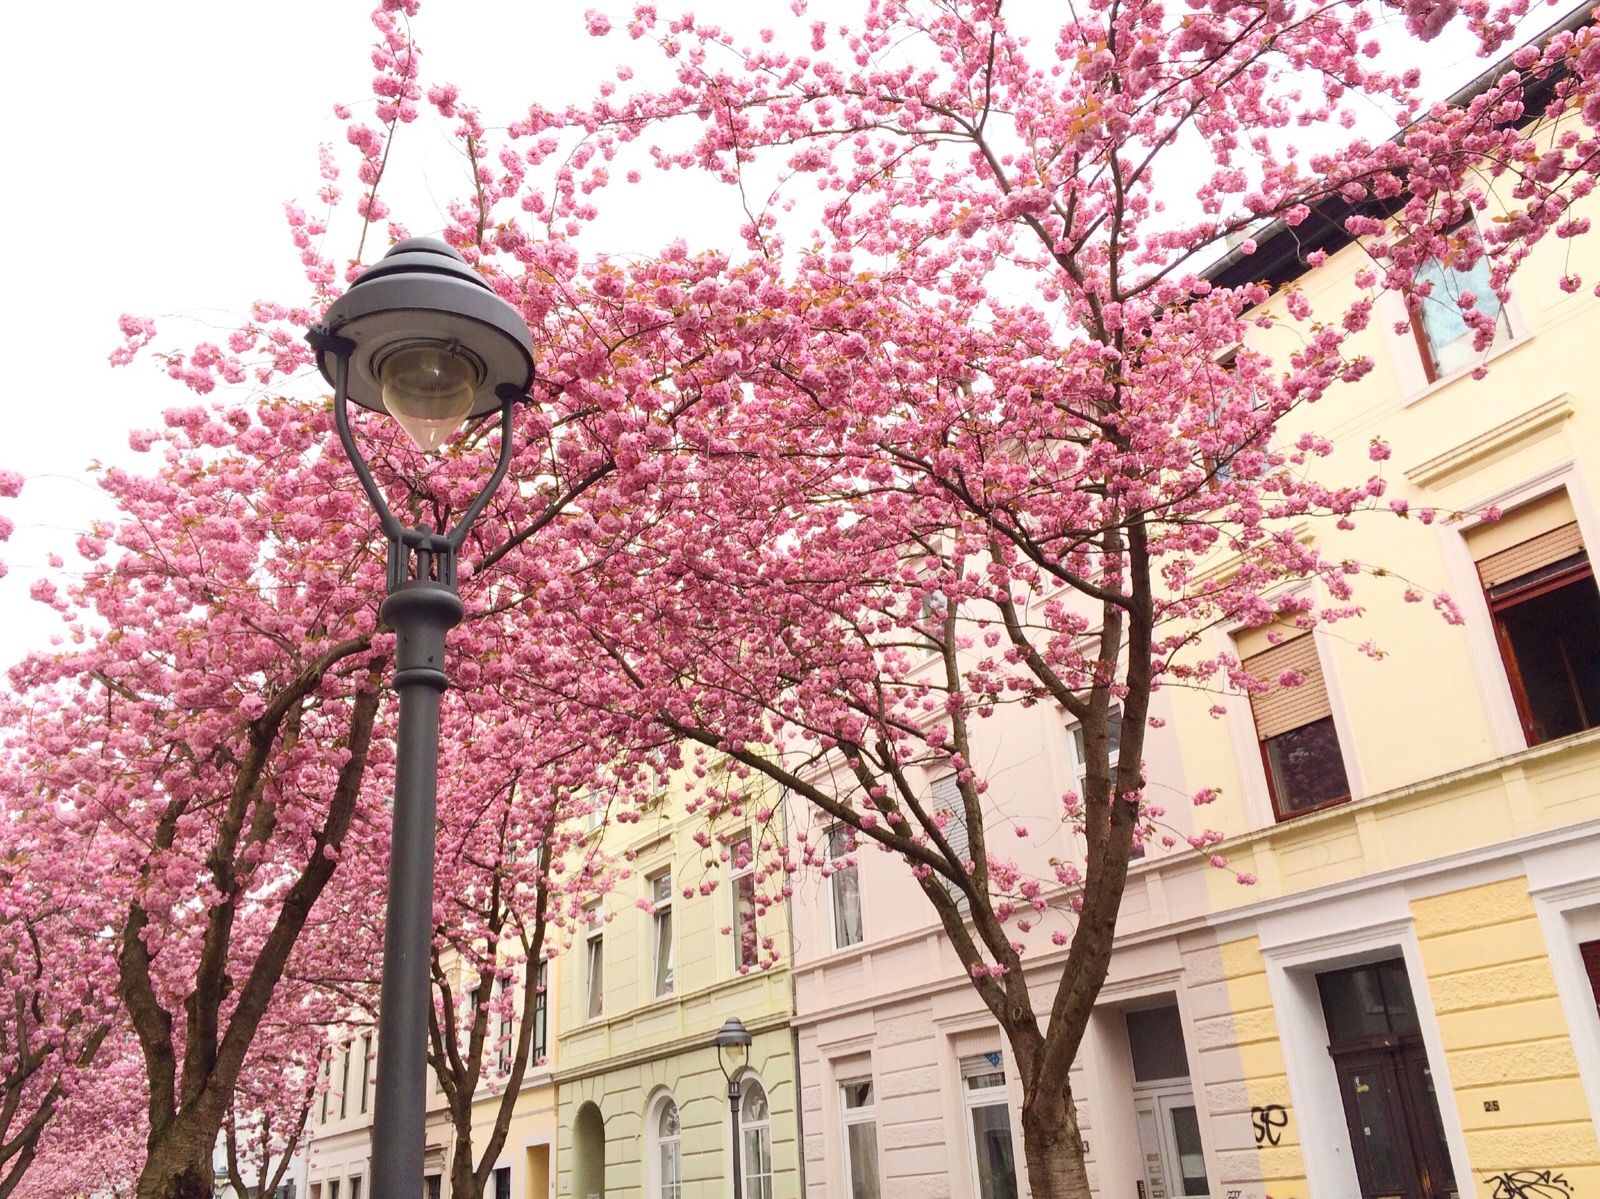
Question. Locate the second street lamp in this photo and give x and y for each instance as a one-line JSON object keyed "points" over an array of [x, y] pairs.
{"points": [[421, 337], [733, 1048]]}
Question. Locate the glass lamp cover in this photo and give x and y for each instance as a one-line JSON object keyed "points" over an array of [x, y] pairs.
{"points": [[429, 391]]}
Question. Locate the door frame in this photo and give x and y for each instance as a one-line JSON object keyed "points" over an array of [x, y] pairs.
{"points": [[1340, 931]]}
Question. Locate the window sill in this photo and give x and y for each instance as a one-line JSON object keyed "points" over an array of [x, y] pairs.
{"points": [[1493, 354], [1311, 810]]}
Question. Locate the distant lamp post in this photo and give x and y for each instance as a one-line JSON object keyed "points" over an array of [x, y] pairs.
{"points": [[421, 337], [733, 1048]]}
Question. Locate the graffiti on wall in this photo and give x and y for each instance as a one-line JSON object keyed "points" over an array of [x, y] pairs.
{"points": [[1529, 1184], [1269, 1123]]}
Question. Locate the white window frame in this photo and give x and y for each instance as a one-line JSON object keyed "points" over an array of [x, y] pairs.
{"points": [[736, 877], [1505, 726], [507, 1026], [957, 807], [758, 1127], [594, 943], [366, 1072], [1566, 897], [854, 869], [973, 1098], [1410, 372], [661, 912], [866, 1114], [655, 1142], [344, 1080]]}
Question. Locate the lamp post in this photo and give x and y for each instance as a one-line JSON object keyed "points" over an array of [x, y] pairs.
{"points": [[421, 337], [733, 1041]]}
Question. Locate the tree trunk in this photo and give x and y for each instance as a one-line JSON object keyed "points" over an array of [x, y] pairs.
{"points": [[1051, 1144], [178, 1164], [463, 1178]]}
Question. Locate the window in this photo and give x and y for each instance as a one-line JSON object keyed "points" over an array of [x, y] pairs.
{"points": [[1299, 744], [1443, 336], [327, 1085], [435, 1184], [366, 1072], [983, 1083], [947, 799], [844, 886], [1218, 452], [742, 876], [595, 960], [502, 1183], [1542, 598], [667, 1156], [333, 1188], [344, 1082], [860, 1139], [755, 1130], [540, 1048], [503, 1048], [1080, 760], [355, 1186], [661, 931]]}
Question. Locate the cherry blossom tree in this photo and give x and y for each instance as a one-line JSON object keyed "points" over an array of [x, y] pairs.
{"points": [[999, 404], [979, 411]]}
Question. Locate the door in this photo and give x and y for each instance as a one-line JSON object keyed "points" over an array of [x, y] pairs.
{"points": [[1386, 1084], [1169, 1145], [1374, 1111]]}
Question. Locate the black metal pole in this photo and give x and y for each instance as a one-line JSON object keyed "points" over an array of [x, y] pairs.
{"points": [[421, 612], [733, 1112]]}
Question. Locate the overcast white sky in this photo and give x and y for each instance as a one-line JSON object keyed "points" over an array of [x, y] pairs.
{"points": [[152, 148]]}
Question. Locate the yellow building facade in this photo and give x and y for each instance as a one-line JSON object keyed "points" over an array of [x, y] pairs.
{"points": [[655, 967], [1411, 983]]}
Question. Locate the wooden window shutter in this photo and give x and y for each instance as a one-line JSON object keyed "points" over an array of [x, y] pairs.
{"points": [[1526, 539], [1590, 950], [1284, 708], [1533, 554]]}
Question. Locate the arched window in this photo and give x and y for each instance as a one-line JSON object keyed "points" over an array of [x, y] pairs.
{"points": [[755, 1129], [666, 1154]]}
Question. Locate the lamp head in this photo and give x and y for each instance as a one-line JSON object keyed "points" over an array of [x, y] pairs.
{"points": [[732, 1042], [434, 344]]}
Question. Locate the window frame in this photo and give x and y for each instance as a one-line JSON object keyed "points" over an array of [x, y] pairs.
{"points": [[1079, 758], [762, 1130], [739, 877], [366, 1072], [1423, 343], [853, 869], [594, 963], [1255, 769], [661, 914], [540, 1048], [975, 1098], [507, 1025], [862, 1114], [655, 1184]]}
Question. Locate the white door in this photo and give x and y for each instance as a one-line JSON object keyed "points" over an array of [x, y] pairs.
{"points": [[1169, 1146]]}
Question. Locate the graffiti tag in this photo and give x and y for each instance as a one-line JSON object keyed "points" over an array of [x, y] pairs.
{"points": [[1530, 1184], [1270, 1121]]}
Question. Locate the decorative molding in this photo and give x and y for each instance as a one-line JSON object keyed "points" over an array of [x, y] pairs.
{"points": [[666, 1049], [1533, 425], [1224, 570]]}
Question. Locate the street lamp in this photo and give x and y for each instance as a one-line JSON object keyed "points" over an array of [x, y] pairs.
{"points": [[733, 1043], [420, 336]]}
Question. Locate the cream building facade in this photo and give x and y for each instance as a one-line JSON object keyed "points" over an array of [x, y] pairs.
{"points": [[339, 1142], [1404, 1005], [655, 968]]}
